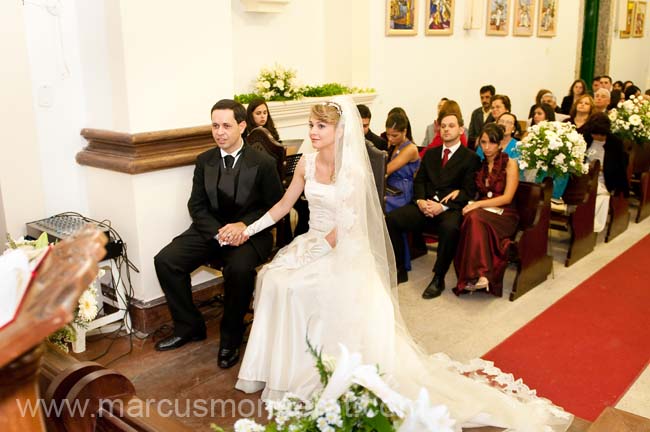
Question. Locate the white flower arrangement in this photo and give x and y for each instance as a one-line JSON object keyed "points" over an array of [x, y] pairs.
{"points": [[555, 148], [87, 307], [278, 84], [631, 119], [354, 398]]}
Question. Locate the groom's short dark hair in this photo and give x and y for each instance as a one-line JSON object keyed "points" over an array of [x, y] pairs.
{"points": [[238, 109]]}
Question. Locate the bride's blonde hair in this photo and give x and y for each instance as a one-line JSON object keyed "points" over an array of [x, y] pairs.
{"points": [[328, 112]]}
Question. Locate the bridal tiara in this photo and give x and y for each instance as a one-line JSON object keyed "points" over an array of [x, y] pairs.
{"points": [[336, 106]]}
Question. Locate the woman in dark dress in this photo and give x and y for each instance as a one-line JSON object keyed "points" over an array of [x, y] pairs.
{"points": [[490, 221], [578, 88]]}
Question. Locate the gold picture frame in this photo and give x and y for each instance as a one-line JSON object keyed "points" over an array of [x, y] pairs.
{"points": [[639, 19], [523, 18], [439, 17], [547, 22], [498, 17], [630, 7], [401, 17]]}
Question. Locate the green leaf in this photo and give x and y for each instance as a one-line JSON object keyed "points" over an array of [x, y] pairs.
{"points": [[379, 423], [216, 428], [42, 241]]}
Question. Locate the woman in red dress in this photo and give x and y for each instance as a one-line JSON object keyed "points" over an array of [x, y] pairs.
{"points": [[490, 221]]}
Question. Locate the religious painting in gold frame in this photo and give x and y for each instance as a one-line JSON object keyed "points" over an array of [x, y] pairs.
{"points": [[639, 19], [401, 17], [439, 17], [498, 14], [630, 6], [523, 18], [547, 22]]}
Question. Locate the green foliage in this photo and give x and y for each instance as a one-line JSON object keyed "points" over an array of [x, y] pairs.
{"points": [[62, 337], [246, 98]]}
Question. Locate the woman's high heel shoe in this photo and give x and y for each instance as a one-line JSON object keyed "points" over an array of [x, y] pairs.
{"points": [[482, 283]]}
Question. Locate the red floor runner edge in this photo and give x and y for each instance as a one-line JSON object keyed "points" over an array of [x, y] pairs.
{"points": [[588, 348]]}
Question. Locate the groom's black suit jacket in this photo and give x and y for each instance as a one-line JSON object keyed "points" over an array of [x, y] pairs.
{"points": [[432, 180], [258, 189]]}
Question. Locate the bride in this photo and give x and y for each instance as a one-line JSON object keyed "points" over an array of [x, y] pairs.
{"points": [[336, 284]]}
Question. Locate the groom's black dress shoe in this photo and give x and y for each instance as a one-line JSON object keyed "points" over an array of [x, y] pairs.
{"points": [[174, 342], [435, 288], [228, 357]]}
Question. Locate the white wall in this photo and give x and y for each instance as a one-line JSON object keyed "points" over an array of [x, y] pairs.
{"points": [[20, 159], [293, 38], [51, 30], [414, 72], [178, 61], [630, 57]]}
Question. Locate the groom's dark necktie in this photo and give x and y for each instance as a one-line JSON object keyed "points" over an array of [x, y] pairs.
{"points": [[229, 161]]}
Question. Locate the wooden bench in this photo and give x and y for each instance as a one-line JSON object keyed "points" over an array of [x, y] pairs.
{"points": [[529, 251], [639, 177], [619, 216], [577, 216]]}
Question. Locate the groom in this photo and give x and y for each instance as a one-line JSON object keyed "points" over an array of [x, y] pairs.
{"points": [[443, 169], [233, 186]]}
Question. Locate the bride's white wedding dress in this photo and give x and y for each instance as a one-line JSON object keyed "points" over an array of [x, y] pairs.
{"points": [[343, 295]]}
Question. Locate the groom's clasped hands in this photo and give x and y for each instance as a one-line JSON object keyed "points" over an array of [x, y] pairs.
{"points": [[232, 234]]}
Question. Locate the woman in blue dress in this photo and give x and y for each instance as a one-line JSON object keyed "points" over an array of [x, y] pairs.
{"points": [[508, 144], [403, 162]]}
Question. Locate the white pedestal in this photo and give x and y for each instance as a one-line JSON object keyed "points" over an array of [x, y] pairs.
{"points": [[115, 318]]}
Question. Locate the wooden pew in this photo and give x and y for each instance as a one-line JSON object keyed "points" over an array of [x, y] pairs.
{"points": [[107, 397], [639, 177], [578, 219], [529, 251], [48, 305], [619, 216]]}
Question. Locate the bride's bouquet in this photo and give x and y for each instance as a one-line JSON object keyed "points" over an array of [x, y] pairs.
{"points": [[354, 398]]}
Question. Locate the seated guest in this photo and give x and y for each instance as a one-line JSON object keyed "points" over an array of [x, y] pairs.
{"points": [[442, 170], [542, 112], [498, 105], [449, 105], [550, 99], [595, 84], [632, 91], [432, 129], [606, 82], [409, 131], [608, 149], [231, 170], [508, 143], [403, 163], [480, 115], [602, 98], [582, 109], [627, 84], [615, 97], [257, 114], [618, 85], [538, 100], [578, 88], [366, 115], [489, 222]]}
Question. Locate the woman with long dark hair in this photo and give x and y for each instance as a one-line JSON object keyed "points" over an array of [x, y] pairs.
{"points": [[258, 114]]}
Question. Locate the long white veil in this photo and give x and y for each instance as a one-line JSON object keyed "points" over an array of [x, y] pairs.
{"points": [[363, 306]]}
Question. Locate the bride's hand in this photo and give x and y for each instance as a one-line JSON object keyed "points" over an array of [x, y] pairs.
{"points": [[450, 197], [331, 237]]}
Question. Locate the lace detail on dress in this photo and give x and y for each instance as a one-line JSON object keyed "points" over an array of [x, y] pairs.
{"points": [[310, 166], [485, 372]]}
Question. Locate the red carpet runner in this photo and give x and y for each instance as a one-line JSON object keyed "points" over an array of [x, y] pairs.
{"points": [[588, 348]]}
